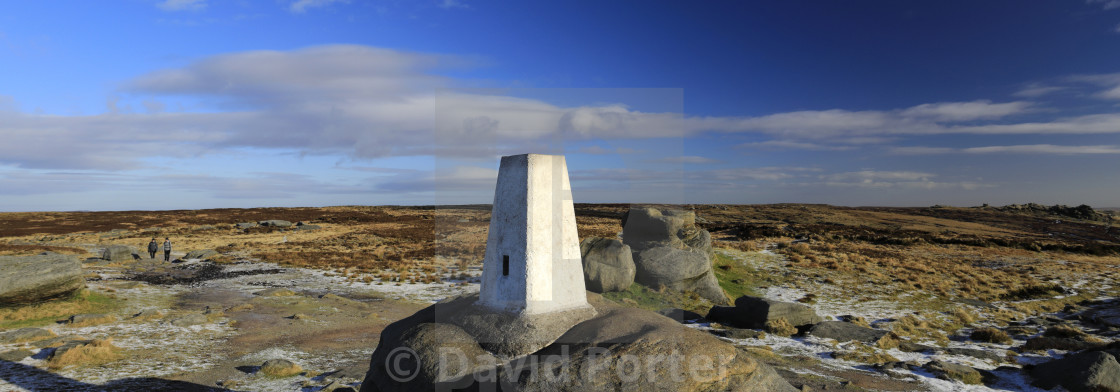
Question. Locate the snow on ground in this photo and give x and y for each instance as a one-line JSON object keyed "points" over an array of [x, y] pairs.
{"points": [[822, 348], [831, 302], [313, 280], [193, 347]]}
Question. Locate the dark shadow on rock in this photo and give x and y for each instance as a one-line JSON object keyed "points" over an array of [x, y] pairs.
{"points": [[35, 379], [43, 354], [247, 369]]}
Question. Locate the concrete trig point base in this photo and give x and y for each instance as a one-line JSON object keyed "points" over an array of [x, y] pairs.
{"points": [[532, 277]]}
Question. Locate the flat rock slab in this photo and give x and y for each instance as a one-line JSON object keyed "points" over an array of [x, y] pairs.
{"points": [[27, 279], [972, 352], [25, 335], [15, 355], [754, 312], [843, 331]]}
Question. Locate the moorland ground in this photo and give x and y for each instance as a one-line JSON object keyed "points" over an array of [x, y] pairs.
{"points": [[924, 273]]}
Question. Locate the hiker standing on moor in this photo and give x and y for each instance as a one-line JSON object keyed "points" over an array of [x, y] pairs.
{"points": [[153, 247], [167, 249]]}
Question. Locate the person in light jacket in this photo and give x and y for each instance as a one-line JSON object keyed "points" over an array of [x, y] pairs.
{"points": [[167, 249]]}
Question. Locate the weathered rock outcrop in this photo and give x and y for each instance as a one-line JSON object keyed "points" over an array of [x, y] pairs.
{"points": [[597, 354], [842, 331], [608, 264], [25, 279], [275, 223], [670, 250], [755, 312], [118, 253], [1081, 372], [681, 270]]}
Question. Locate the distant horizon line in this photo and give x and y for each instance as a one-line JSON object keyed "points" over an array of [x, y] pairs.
{"points": [[1116, 208]]}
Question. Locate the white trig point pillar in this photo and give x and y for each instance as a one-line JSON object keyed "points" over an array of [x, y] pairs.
{"points": [[532, 263]]}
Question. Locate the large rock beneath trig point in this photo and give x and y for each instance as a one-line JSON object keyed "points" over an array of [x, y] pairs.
{"points": [[118, 253], [1081, 372], [608, 264], [593, 355], [25, 279], [679, 269], [754, 312]]}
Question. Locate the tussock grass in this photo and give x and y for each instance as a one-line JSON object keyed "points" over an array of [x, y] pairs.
{"points": [[990, 335], [49, 312], [280, 368], [642, 297], [1070, 332], [914, 327], [780, 327], [92, 353], [873, 358], [27, 250]]}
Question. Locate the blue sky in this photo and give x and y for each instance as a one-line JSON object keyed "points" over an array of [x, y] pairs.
{"points": [[167, 104]]}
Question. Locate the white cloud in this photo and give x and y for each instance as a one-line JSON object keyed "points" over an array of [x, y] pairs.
{"points": [[895, 179], [965, 111], [366, 102], [301, 6], [182, 5], [1017, 149], [1035, 90]]}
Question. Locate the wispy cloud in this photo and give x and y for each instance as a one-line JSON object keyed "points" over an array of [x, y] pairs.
{"points": [[182, 5], [1107, 4], [965, 111], [689, 159], [792, 145], [1035, 90], [301, 6], [597, 150], [365, 102], [449, 4], [895, 179], [1017, 149]]}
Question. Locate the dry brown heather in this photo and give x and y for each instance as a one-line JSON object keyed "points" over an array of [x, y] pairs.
{"points": [[976, 253]]}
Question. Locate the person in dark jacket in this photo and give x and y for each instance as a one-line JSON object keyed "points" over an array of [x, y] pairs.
{"points": [[153, 247], [167, 249]]}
